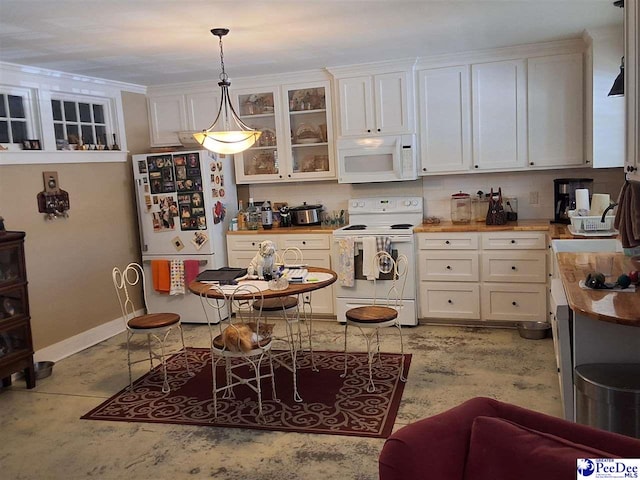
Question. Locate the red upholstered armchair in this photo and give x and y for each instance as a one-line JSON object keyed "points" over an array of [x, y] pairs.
{"points": [[484, 439]]}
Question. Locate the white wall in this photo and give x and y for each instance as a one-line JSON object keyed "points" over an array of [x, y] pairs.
{"points": [[437, 190]]}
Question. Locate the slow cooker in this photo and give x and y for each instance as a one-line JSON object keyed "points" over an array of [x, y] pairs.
{"points": [[306, 214]]}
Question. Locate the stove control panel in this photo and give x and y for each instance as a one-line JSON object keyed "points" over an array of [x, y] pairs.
{"points": [[386, 205]]}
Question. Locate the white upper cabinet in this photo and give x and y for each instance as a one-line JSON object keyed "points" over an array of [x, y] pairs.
{"points": [[202, 109], [167, 117], [499, 115], [632, 90], [356, 106], [445, 119], [555, 103], [380, 104], [173, 113], [391, 104]]}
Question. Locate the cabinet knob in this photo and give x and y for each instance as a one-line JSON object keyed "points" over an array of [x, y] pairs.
{"points": [[449, 301], [279, 176], [253, 244], [304, 243], [369, 130], [531, 163], [475, 166], [424, 169], [378, 129], [289, 175], [513, 267], [515, 304], [513, 241], [447, 242], [448, 267]]}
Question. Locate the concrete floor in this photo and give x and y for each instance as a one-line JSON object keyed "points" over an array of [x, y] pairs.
{"points": [[44, 438]]}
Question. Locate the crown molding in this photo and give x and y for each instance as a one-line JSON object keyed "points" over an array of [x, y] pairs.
{"points": [[18, 69]]}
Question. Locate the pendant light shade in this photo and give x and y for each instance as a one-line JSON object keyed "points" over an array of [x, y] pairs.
{"points": [[227, 134], [618, 84]]}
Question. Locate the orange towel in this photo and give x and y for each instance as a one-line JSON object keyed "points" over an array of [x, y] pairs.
{"points": [[161, 275]]}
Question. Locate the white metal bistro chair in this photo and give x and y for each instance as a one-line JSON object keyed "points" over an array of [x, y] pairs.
{"points": [[227, 344], [156, 326], [293, 312], [382, 313]]}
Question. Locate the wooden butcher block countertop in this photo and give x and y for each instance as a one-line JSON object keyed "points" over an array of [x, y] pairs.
{"points": [[616, 307], [520, 225], [281, 230]]}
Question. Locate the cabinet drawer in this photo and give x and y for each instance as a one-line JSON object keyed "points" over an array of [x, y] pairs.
{"points": [[448, 266], [245, 242], [514, 302], [449, 300], [304, 242], [514, 266], [448, 241], [513, 240]]}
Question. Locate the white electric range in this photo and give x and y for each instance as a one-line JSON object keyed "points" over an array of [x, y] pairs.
{"points": [[392, 217]]}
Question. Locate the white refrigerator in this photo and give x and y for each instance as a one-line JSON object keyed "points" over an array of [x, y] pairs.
{"points": [[185, 202]]}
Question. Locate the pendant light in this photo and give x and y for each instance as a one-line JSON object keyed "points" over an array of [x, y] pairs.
{"points": [[618, 84], [233, 135]]}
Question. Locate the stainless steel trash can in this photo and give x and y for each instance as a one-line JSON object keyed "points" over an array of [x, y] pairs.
{"points": [[608, 397]]}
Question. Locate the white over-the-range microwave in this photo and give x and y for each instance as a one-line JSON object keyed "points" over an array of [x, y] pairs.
{"points": [[385, 158]]}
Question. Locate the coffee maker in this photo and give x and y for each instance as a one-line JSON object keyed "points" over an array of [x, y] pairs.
{"points": [[564, 196]]}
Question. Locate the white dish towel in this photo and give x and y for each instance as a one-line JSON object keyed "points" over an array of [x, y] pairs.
{"points": [[368, 253]]}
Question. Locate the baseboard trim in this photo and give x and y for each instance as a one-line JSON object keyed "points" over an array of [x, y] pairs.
{"points": [[468, 323], [77, 343]]}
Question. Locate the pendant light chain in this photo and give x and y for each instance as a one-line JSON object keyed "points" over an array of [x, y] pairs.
{"points": [[223, 76]]}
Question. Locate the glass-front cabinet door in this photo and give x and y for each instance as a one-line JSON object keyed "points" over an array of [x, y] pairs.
{"points": [[296, 141], [310, 131], [260, 109]]}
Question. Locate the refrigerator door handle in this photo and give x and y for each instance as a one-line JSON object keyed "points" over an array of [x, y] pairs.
{"points": [[140, 195]]}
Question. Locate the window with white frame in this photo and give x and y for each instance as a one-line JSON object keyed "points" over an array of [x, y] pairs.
{"points": [[14, 116], [80, 121]]}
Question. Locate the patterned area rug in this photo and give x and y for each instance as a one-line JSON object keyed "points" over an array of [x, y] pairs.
{"points": [[331, 405]]}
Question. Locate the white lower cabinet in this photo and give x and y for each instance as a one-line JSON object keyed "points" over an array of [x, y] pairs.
{"points": [[495, 276], [448, 270], [315, 249], [513, 302], [450, 300]]}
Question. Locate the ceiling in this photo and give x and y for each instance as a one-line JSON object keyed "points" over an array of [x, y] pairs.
{"points": [[155, 42]]}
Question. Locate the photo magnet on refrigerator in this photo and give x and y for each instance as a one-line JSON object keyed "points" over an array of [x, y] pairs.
{"points": [[177, 243]]}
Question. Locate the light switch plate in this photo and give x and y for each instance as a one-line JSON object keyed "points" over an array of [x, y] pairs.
{"points": [[51, 184]]}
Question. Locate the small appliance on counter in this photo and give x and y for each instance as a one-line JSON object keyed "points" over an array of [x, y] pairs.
{"points": [[460, 208], [306, 214], [511, 207], [564, 196], [285, 216]]}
